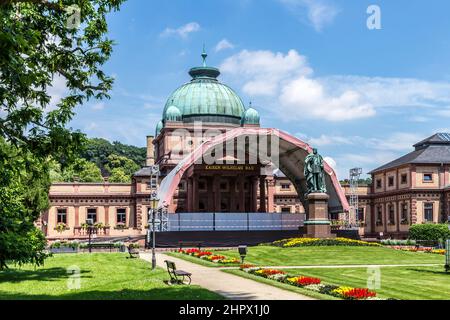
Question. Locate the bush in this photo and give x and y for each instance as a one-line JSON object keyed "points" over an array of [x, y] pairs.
{"points": [[433, 232]]}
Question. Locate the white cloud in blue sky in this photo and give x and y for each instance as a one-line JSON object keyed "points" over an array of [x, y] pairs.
{"points": [[319, 13], [182, 31]]}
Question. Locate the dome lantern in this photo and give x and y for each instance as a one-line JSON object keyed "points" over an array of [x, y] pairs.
{"points": [[251, 117]]}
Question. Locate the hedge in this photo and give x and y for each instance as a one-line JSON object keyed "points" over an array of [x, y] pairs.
{"points": [[433, 232]]}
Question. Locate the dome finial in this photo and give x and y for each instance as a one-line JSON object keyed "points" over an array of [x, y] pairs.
{"points": [[204, 55]]}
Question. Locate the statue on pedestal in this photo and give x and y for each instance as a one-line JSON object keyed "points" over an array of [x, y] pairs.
{"points": [[315, 173]]}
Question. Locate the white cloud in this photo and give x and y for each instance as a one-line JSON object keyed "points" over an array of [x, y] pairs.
{"points": [[56, 91], [99, 106], [182, 31], [224, 44], [286, 82], [319, 13], [264, 71], [327, 140]]}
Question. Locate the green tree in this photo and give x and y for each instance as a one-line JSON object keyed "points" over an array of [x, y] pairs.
{"points": [[118, 175], [119, 162], [38, 47], [82, 171]]}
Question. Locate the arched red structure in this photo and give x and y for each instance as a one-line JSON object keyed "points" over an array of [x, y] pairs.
{"points": [[292, 154]]}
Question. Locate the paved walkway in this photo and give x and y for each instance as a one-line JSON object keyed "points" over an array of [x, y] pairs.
{"points": [[228, 285]]}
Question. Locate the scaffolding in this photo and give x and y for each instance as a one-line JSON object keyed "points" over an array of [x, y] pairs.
{"points": [[158, 215], [352, 215]]}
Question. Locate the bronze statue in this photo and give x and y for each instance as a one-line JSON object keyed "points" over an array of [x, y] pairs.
{"points": [[315, 173]]}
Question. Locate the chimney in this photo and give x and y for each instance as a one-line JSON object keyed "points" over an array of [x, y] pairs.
{"points": [[150, 151]]}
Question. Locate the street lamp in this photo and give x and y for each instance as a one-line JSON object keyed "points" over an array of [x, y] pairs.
{"points": [[242, 252], [154, 201], [90, 224]]}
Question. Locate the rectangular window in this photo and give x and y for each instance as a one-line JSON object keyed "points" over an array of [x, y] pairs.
{"points": [[285, 186], [428, 212], [379, 184], [391, 214], [379, 216], [404, 213], [122, 216], [62, 216], [427, 177], [404, 179], [286, 210], [391, 181], [360, 214], [92, 214]]}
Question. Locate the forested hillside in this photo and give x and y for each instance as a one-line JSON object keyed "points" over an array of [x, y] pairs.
{"points": [[101, 158]]}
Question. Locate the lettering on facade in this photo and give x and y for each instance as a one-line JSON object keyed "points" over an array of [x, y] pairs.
{"points": [[230, 168]]}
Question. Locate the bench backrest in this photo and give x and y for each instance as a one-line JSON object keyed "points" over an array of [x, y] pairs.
{"points": [[171, 265]]}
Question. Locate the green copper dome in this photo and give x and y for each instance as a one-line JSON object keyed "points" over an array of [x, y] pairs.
{"points": [[159, 127], [251, 116], [206, 99], [173, 114]]}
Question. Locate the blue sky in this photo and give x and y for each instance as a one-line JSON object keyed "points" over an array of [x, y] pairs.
{"points": [[311, 67]]}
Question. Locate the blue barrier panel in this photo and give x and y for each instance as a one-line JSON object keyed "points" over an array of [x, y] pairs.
{"points": [[231, 222]]}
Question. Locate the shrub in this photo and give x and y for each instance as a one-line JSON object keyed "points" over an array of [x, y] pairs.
{"points": [[432, 232]]}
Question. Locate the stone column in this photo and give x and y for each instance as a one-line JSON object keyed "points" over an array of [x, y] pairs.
{"points": [[270, 195], [106, 215], [77, 216], [254, 194], [262, 194], [190, 204], [318, 225]]}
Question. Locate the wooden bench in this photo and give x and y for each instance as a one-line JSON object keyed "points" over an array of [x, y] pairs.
{"points": [[134, 252], [177, 276], [190, 244]]}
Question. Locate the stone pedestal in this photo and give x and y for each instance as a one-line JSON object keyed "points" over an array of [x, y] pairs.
{"points": [[318, 225]]}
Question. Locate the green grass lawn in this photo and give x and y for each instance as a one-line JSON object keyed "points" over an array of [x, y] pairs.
{"points": [[103, 276], [338, 255], [405, 283]]}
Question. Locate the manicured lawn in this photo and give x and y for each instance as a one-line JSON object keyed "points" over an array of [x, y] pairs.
{"points": [[406, 283], [338, 255], [103, 276]]}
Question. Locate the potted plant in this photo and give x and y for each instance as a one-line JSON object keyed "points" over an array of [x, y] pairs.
{"points": [[61, 227], [121, 226]]}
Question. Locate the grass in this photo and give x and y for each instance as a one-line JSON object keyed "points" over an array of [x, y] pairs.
{"points": [[337, 255], [280, 285], [103, 276], [405, 283]]}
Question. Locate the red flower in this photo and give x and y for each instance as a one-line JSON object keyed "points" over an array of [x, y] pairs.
{"points": [[306, 281], [247, 266], [359, 294]]}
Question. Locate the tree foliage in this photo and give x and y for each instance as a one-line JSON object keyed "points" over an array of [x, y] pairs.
{"points": [[99, 151], [38, 47]]}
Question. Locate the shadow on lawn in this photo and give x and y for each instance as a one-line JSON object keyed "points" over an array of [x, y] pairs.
{"points": [[50, 274], [430, 271], [169, 293]]}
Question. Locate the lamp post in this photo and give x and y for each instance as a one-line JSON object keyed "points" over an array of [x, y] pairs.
{"points": [[242, 252], [154, 201]]}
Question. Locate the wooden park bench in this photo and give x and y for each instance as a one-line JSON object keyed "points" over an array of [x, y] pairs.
{"points": [[177, 276], [190, 244], [134, 252]]}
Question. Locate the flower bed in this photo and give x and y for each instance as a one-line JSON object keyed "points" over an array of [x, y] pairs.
{"points": [[305, 242], [420, 249], [209, 256], [313, 284]]}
